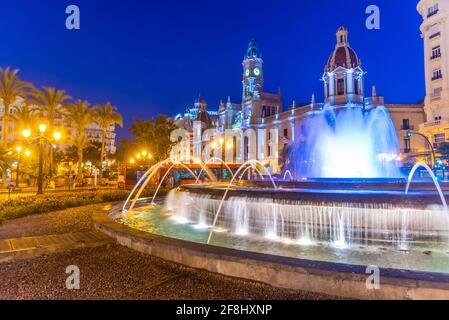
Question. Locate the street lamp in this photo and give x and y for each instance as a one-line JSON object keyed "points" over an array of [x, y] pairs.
{"points": [[42, 139], [19, 158]]}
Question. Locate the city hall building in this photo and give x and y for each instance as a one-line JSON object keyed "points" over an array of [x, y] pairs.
{"points": [[277, 127]]}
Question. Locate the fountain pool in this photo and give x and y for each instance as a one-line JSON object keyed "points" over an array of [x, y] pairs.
{"points": [[357, 227]]}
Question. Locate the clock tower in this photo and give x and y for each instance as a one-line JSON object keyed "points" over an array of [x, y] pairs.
{"points": [[252, 72]]}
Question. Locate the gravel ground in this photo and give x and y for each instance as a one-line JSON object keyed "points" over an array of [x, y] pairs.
{"points": [[114, 272]]}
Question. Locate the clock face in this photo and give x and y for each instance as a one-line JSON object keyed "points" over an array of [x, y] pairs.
{"points": [[257, 71], [247, 72]]}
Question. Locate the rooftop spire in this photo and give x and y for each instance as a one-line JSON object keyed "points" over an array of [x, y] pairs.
{"points": [[253, 49], [342, 36]]}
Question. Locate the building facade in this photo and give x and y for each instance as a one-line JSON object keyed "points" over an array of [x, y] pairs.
{"points": [[93, 132], [435, 34], [277, 129]]}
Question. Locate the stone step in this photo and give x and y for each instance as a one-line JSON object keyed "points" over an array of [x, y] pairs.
{"points": [[30, 247]]}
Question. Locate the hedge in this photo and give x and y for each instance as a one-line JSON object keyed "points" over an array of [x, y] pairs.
{"points": [[20, 207]]}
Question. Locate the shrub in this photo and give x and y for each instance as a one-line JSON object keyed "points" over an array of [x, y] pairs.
{"points": [[20, 207]]}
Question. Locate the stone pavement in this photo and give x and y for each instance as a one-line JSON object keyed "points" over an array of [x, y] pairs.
{"points": [[29, 247]]}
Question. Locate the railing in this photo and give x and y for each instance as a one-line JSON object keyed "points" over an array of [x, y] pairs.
{"points": [[435, 56], [435, 35]]}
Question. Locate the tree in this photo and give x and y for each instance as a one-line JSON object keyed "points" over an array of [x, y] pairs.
{"points": [[5, 159], [106, 116], [51, 103], [11, 87], [152, 135], [79, 116], [24, 116]]}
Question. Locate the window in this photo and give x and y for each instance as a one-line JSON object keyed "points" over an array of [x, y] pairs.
{"points": [[436, 52], [433, 10], [439, 138], [340, 87], [286, 133], [356, 86], [405, 124], [437, 74], [264, 112], [269, 151]]}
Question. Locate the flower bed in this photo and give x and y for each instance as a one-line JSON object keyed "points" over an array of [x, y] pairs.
{"points": [[20, 207]]}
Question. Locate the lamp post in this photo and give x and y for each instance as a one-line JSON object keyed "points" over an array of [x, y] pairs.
{"points": [[41, 140], [19, 158], [409, 134]]}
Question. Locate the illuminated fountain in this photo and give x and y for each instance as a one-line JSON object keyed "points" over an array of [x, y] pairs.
{"points": [[347, 143]]}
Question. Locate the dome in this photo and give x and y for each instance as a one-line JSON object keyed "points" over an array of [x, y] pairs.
{"points": [[343, 55], [204, 117]]}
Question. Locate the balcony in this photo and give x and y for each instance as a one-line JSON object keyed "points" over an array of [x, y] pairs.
{"points": [[433, 124], [432, 13], [435, 56], [435, 35]]}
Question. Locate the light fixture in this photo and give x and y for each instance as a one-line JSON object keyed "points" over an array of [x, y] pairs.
{"points": [[19, 149], [221, 140], [27, 153], [42, 128], [57, 135], [214, 145], [26, 133], [138, 156], [150, 156], [144, 153], [132, 161]]}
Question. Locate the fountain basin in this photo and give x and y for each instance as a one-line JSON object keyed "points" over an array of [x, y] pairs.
{"points": [[334, 278]]}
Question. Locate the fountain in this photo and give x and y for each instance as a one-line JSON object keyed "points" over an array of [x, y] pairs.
{"points": [[349, 142], [349, 204]]}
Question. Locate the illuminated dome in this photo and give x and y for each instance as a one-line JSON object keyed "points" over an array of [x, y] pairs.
{"points": [[343, 55]]}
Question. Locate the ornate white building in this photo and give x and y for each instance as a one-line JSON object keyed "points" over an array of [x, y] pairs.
{"points": [[276, 128], [435, 34]]}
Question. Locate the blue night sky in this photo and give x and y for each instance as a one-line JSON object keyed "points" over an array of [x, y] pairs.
{"points": [[151, 57]]}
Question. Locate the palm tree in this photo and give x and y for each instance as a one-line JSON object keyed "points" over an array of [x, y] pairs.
{"points": [[11, 87], [5, 159], [79, 116], [51, 103], [23, 116], [106, 116]]}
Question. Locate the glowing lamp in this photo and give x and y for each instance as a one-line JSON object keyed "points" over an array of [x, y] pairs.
{"points": [[57, 135], [26, 133], [19, 149], [42, 128]]}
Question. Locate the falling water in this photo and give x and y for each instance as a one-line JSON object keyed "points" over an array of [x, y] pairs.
{"points": [[340, 224]]}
